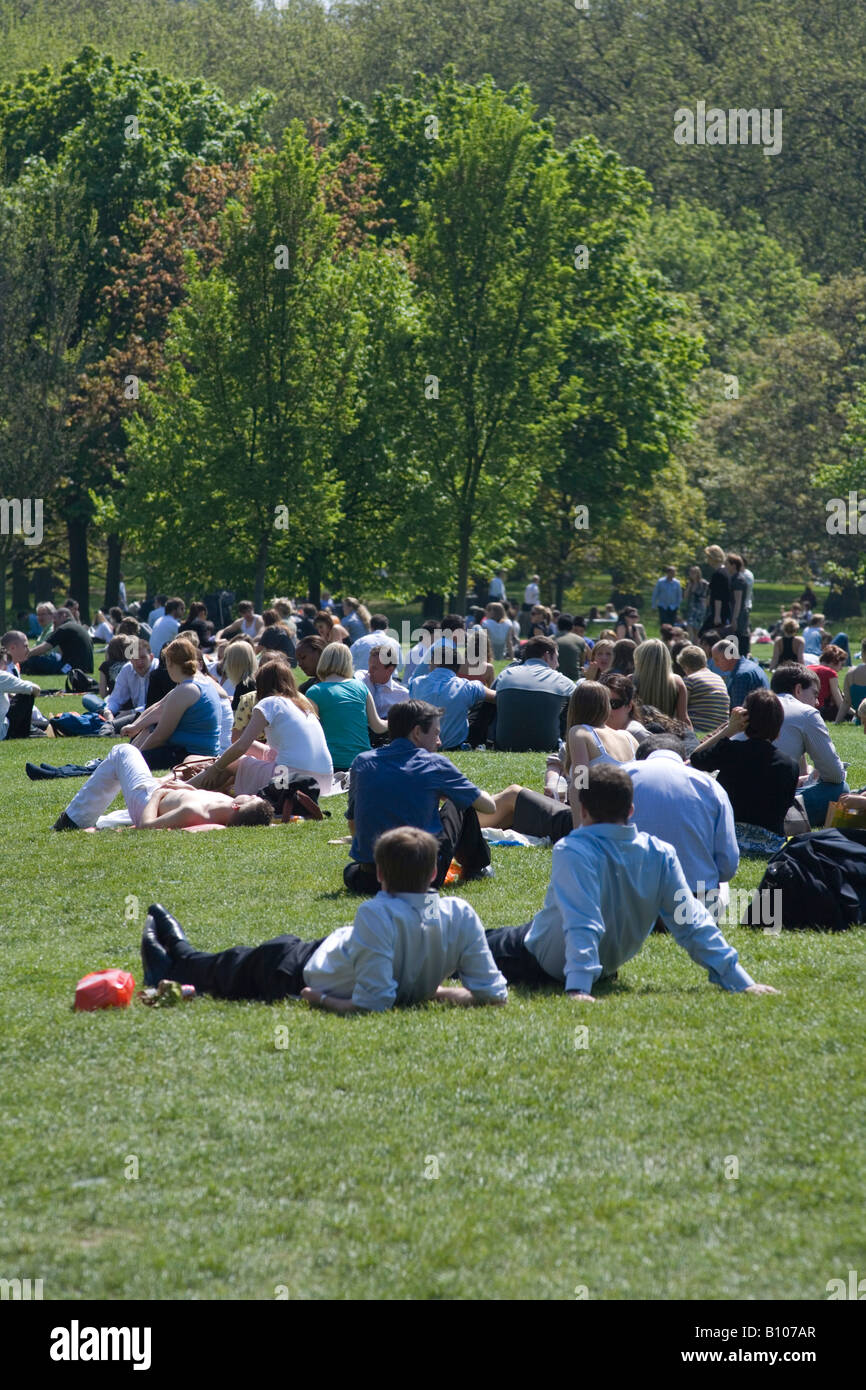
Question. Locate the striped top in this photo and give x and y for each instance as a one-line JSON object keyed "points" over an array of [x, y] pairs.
{"points": [[709, 705]]}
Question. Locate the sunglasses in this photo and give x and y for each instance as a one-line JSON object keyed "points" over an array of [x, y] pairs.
{"points": [[617, 704]]}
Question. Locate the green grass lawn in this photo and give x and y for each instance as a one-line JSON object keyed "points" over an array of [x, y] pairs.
{"points": [[303, 1165]]}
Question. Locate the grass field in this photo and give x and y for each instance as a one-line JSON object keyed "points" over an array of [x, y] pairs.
{"points": [[302, 1166]]}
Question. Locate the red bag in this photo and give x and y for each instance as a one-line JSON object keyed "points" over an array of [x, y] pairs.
{"points": [[104, 989]]}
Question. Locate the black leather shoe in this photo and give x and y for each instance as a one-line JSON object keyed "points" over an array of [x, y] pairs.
{"points": [[64, 823], [154, 957], [168, 930]]}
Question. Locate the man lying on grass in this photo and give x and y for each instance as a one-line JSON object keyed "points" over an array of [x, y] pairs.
{"points": [[401, 946], [155, 803], [609, 882]]}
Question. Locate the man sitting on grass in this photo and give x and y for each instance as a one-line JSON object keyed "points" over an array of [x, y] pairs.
{"points": [[403, 784], [608, 884], [156, 803], [401, 946]]}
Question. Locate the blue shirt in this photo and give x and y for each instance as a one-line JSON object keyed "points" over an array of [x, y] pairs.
{"points": [[668, 593], [455, 697], [689, 810], [401, 784], [608, 884], [743, 678], [353, 625]]}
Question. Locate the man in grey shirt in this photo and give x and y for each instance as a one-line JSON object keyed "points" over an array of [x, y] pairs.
{"points": [[572, 648], [531, 699], [804, 732]]}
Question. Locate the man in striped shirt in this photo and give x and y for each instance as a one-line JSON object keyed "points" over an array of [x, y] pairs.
{"points": [[709, 705]]}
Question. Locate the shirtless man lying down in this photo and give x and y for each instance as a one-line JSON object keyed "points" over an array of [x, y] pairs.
{"points": [[156, 803]]}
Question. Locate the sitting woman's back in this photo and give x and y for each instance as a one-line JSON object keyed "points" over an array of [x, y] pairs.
{"points": [[656, 682]]}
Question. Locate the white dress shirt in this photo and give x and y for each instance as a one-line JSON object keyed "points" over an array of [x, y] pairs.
{"points": [[400, 948], [130, 688], [690, 811], [804, 731], [389, 693]]}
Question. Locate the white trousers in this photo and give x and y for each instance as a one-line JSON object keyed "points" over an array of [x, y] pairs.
{"points": [[124, 770]]}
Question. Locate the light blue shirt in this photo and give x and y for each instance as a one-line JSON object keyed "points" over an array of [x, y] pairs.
{"points": [[456, 697], [400, 948], [164, 630], [608, 884], [668, 593], [689, 810], [535, 674]]}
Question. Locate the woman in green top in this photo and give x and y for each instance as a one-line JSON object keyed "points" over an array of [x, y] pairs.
{"points": [[345, 707]]}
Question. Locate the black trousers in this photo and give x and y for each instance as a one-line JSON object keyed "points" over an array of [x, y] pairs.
{"points": [[20, 715], [541, 816], [267, 972], [668, 615], [460, 838], [517, 963], [167, 756], [481, 718]]}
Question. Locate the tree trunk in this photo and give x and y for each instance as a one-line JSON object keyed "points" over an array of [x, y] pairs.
{"points": [[2, 593], [43, 584], [79, 565], [314, 577], [559, 591], [463, 563], [112, 572], [20, 584], [432, 606], [261, 569]]}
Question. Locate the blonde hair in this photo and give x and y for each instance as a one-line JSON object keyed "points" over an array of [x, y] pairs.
{"points": [[692, 658], [654, 676], [239, 662], [790, 626], [336, 660]]}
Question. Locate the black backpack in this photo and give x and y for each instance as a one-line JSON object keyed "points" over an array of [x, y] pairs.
{"points": [[822, 879]]}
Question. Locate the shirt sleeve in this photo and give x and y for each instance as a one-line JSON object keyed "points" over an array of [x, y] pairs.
{"points": [[120, 694], [694, 929], [13, 685], [655, 597], [476, 968], [578, 898], [819, 746], [725, 848], [478, 692], [710, 759], [451, 782], [372, 956]]}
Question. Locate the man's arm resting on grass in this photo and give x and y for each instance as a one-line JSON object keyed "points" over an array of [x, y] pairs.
{"points": [[695, 930], [577, 894], [331, 1002], [464, 998]]}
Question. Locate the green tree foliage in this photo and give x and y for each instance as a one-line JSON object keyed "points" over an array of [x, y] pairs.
{"points": [[44, 245], [122, 134], [267, 360]]}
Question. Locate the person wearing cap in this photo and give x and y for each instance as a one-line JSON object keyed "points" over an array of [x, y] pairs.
{"points": [[384, 658], [442, 687], [719, 598], [667, 596]]}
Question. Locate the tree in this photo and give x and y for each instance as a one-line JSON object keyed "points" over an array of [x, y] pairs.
{"points": [[265, 363], [43, 261], [123, 134]]}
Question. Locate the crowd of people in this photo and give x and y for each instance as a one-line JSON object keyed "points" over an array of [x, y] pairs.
{"points": [[671, 755]]}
